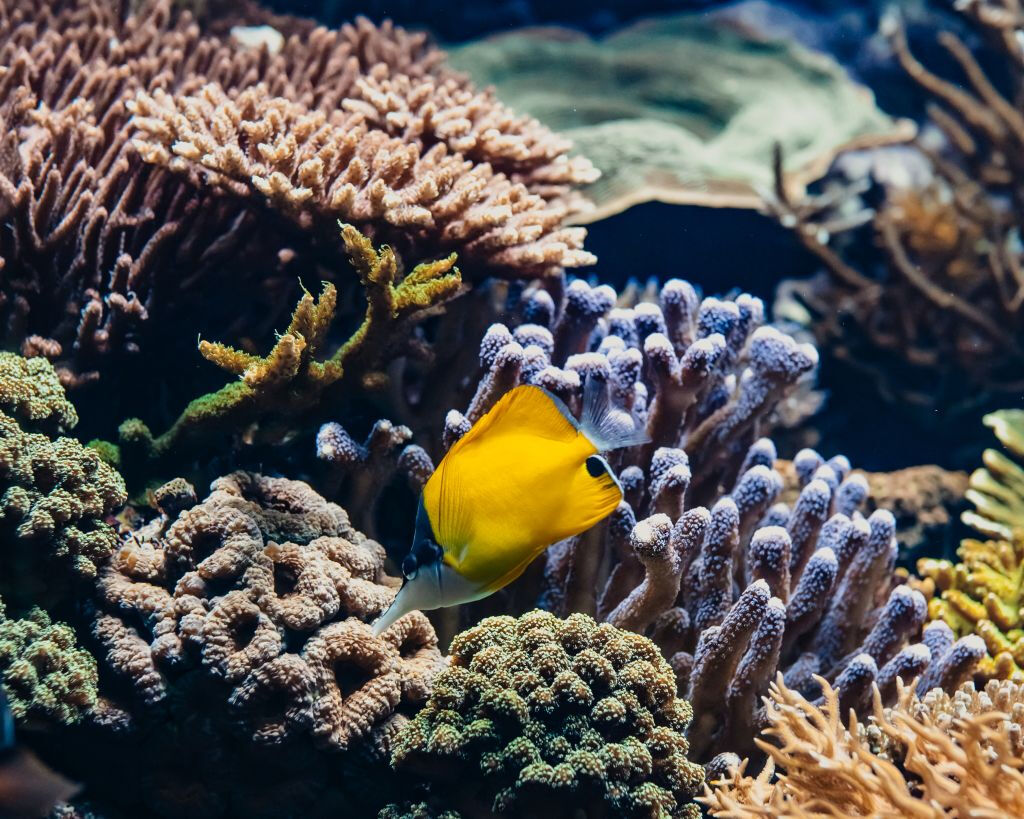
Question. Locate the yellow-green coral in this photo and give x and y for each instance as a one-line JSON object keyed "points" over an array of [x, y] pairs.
{"points": [[293, 376], [997, 489], [984, 593], [31, 391], [543, 716], [43, 672]]}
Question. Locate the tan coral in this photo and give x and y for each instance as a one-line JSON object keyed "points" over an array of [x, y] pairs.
{"points": [[265, 586], [818, 767], [319, 168]]}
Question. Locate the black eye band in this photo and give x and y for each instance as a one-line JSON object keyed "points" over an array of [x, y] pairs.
{"points": [[595, 467]]}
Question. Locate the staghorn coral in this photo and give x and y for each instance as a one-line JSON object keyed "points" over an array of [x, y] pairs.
{"points": [[44, 673], [938, 314], [553, 716], [56, 493], [293, 376], [941, 765], [102, 251], [264, 588], [318, 169]]}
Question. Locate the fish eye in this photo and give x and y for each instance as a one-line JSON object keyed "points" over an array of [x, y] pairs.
{"points": [[595, 466], [409, 566]]}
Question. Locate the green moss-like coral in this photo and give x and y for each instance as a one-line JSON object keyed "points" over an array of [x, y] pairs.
{"points": [[31, 391], [54, 493], [44, 674], [984, 593], [543, 716], [294, 375]]}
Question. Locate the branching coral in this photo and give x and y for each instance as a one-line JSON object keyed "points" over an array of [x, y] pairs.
{"points": [[44, 673], [265, 588], [947, 295], [984, 593], [294, 375], [318, 169], [56, 493], [945, 762], [102, 251], [730, 583], [556, 717]]}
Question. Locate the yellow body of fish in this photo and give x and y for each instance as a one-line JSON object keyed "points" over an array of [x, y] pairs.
{"points": [[514, 484], [525, 476]]}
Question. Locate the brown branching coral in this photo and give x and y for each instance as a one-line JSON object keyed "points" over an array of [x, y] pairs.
{"points": [[947, 295], [100, 249], [265, 589], [296, 372], [967, 765]]}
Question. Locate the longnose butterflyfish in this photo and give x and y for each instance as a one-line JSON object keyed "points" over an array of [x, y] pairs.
{"points": [[525, 476]]}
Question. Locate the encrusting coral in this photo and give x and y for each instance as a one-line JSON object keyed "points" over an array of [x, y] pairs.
{"points": [[104, 251], [296, 372], [730, 583], [539, 715], [922, 759], [56, 494], [265, 588], [983, 594], [939, 314], [44, 673]]}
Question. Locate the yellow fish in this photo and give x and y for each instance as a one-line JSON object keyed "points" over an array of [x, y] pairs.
{"points": [[527, 475]]}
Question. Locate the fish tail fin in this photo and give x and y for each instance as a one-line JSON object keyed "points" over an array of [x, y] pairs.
{"points": [[606, 427]]}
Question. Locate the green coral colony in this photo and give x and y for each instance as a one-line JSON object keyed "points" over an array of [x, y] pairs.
{"points": [[187, 600]]}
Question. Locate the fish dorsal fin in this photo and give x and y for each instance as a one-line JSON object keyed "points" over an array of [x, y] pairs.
{"points": [[606, 427]]}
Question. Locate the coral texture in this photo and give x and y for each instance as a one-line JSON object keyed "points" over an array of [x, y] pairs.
{"points": [[266, 588], [56, 494], [941, 313], [44, 673], [542, 715], [983, 594], [104, 251], [941, 762], [732, 584]]}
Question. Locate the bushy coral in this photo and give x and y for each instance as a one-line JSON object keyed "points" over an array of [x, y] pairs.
{"points": [[556, 717], [56, 494], [106, 251], [44, 673], [937, 761]]}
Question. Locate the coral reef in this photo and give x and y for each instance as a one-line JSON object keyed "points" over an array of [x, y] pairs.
{"points": [[731, 583], [983, 594], [542, 715], [44, 673], [678, 130], [103, 252], [293, 376], [266, 587], [56, 494], [944, 300], [939, 760]]}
